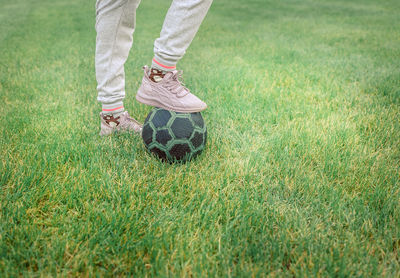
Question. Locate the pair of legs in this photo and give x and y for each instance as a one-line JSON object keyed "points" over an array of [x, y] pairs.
{"points": [[115, 24]]}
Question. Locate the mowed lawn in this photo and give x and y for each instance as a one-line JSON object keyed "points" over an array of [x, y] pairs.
{"points": [[300, 175]]}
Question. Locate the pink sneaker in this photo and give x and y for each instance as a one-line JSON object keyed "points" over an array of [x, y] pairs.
{"points": [[168, 93], [124, 122]]}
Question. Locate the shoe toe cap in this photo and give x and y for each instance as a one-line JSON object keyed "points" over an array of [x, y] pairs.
{"points": [[195, 103]]}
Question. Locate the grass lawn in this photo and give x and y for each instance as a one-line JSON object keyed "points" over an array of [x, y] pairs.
{"points": [[300, 175]]}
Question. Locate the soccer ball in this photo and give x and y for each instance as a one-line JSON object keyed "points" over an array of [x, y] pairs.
{"points": [[174, 136]]}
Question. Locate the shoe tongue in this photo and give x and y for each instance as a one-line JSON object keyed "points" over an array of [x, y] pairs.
{"points": [[157, 78], [156, 75], [111, 120]]}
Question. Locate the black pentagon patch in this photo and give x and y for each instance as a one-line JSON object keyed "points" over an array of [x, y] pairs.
{"points": [[163, 136], [147, 134], [159, 153], [161, 118], [179, 151], [197, 139], [182, 128], [197, 119]]}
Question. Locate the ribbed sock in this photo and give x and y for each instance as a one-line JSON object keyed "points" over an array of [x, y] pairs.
{"points": [[160, 66], [116, 112]]}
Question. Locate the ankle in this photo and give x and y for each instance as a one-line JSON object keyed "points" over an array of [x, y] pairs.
{"points": [[158, 70], [165, 66], [114, 112]]}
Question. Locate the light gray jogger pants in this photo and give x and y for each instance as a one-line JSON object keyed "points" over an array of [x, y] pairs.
{"points": [[115, 24]]}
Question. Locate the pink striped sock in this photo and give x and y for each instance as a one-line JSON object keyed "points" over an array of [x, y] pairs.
{"points": [[160, 66], [116, 112]]}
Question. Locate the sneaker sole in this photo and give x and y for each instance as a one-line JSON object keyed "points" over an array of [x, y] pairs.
{"points": [[155, 103]]}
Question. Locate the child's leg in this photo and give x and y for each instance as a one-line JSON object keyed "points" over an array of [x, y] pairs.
{"points": [[180, 26], [161, 84], [115, 23]]}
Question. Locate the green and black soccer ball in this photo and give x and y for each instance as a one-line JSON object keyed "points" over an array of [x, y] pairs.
{"points": [[174, 136]]}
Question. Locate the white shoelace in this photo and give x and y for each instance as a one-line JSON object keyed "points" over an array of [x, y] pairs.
{"points": [[175, 83]]}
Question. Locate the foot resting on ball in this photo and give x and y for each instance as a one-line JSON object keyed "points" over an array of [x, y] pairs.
{"points": [[165, 90], [123, 122]]}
